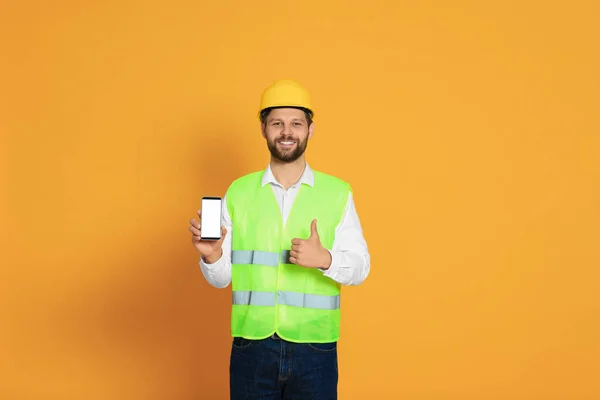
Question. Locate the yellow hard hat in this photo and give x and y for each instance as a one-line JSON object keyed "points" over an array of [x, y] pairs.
{"points": [[285, 93]]}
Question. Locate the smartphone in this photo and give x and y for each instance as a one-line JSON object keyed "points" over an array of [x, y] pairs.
{"points": [[210, 218]]}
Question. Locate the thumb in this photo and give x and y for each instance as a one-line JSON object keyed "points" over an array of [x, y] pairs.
{"points": [[223, 234], [313, 229]]}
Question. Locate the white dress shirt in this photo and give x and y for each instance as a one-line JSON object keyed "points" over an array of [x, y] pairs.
{"points": [[350, 259]]}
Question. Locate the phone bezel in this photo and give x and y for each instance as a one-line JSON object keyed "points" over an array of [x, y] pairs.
{"points": [[202, 213]]}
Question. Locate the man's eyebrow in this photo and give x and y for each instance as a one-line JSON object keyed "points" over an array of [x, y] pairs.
{"points": [[280, 119]]}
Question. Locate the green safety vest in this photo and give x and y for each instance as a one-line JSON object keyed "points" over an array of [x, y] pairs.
{"points": [[270, 294]]}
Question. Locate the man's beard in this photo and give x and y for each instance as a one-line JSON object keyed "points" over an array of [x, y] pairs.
{"points": [[287, 156]]}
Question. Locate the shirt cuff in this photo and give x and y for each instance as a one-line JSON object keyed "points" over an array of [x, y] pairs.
{"points": [[212, 266], [334, 267]]}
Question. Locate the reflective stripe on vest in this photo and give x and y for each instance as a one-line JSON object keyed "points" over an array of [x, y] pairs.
{"points": [[260, 257], [286, 298]]}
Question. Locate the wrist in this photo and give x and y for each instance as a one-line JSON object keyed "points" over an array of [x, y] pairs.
{"points": [[214, 257], [326, 263]]}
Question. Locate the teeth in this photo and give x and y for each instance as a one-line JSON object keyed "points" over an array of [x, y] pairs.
{"points": [[286, 142]]}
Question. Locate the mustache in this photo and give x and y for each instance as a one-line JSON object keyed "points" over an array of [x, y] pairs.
{"points": [[286, 139]]}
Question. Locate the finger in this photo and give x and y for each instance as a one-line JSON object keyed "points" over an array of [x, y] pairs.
{"points": [[293, 254], [295, 247], [195, 231], [199, 213], [293, 260], [296, 241], [195, 223]]}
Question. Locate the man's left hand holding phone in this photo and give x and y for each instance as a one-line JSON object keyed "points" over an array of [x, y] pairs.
{"points": [[208, 233]]}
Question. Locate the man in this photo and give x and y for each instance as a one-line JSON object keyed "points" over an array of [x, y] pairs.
{"points": [[291, 238]]}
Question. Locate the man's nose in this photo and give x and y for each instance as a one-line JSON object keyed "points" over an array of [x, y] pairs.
{"points": [[287, 130]]}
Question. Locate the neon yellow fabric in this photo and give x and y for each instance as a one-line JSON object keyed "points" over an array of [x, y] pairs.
{"points": [[258, 227]]}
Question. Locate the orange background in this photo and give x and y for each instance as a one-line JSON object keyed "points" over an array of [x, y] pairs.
{"points": [[468, 129]]}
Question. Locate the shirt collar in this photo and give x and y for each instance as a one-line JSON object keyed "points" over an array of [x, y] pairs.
{"points": [[307, 177]]}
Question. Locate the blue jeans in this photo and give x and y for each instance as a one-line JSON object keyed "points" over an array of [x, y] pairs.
{"points": [[273, 368]]}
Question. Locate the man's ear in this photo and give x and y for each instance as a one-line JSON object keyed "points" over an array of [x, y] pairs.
{"points": [[262, 130], [311, 129]]}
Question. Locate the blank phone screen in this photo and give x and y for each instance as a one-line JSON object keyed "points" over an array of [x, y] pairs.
{"points": [[211, 218]]}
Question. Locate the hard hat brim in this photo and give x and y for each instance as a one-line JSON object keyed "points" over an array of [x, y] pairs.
{"points": [[302, 108]]}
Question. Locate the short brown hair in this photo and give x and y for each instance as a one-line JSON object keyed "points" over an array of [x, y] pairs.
{"points": [[265, 113]]}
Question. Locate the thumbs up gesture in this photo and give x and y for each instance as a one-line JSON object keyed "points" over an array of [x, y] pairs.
{"points": [[310, 253]]}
